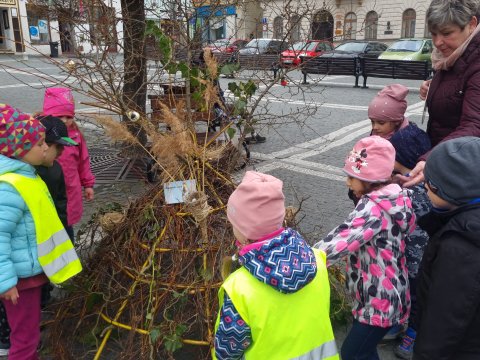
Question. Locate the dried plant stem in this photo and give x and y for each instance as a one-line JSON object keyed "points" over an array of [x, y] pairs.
{"points": [[145, 266]]}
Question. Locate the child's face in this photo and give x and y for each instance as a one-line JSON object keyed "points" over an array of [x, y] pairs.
{"points": [[53, 152], [36, 155], [357, 186], [436, 200], [67, 120], [383, 128]]}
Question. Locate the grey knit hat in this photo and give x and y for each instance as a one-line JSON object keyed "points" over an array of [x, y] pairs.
{"points": [[453, 168]]}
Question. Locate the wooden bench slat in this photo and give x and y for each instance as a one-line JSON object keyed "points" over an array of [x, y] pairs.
{"points": [[171, 102], [258, 62], [196, 116]]}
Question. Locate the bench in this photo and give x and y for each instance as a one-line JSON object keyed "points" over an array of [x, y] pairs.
{"points": [[172, 101], [224, 58], [330, 66], [394, 69], [259, 62]]}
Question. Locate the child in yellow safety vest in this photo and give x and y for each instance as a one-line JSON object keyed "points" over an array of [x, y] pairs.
{"points": [[30, 231], [276, 305]]}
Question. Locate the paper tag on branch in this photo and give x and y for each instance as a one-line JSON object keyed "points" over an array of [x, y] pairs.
{"points": [[176, 191]]}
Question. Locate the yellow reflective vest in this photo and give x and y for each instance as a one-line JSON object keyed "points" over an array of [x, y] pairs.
{"points": [[56, 253], [284, 326]]}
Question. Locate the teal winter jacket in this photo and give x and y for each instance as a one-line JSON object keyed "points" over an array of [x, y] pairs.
{"points": [[18, 243]]}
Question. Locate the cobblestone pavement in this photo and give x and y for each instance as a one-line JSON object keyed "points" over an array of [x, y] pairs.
{"points": [[304, 149]]}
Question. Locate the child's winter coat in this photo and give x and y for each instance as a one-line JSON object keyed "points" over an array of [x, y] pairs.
{"points": [[372, 240], [416, 242], [75, 163], [18, 241], [448, 289]]}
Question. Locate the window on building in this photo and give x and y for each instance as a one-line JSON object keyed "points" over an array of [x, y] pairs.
{"points": [[295, 28], [408, 23], [278, 28], [371, 25], [102, 22], [38, 24], [350, 26]]}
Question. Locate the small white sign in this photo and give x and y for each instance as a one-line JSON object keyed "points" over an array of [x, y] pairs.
{"points": [[34, 33], [176, 191], [14, 12], [43, 26]]}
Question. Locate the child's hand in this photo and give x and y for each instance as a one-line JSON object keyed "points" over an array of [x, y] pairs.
{"points": [[11, 295], [415, 177], [89, 195]]}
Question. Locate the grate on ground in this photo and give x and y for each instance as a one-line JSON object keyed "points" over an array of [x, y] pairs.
{"points": [[109, 167]]}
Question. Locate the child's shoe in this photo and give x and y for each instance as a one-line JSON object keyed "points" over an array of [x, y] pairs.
{"points": [[405, 349], [394, 332], [4, 347], [255, 139]]}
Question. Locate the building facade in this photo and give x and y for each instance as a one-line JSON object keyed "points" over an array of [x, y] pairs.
{"points": [[30, 27], [221, 19], [340, 20]]}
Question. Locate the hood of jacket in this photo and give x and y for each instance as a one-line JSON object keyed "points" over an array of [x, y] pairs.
{"points": [[388, 198], [286, 262], [464, 220], [9, 165]]}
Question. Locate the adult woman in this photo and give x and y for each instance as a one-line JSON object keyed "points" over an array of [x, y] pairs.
{"points": [[453, 95]]}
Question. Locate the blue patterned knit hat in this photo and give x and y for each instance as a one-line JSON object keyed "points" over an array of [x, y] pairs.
{"points": [[410, 143]]}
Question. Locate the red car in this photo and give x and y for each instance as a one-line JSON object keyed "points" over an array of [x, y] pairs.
{"points": [[311, 48], [227, 46]]}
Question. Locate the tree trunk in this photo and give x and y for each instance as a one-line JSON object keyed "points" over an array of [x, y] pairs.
{"points": [[135, 62]]}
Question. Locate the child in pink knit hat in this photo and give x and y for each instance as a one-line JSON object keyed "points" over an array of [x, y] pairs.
{"points": [[75, 160], [387, 110], [372, 241], [387, 114], [278, 302]]}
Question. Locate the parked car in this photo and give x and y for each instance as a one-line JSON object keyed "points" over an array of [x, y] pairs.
{"points": [[292, 56], [227, 46], [409, 49], [351, 49], [264, 46]]}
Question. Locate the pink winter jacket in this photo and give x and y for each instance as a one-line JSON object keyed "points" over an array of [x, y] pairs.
{"points": [[372, 240], [75, 163]]}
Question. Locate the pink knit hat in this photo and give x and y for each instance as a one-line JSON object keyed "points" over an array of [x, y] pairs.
{"points": [[257, 206], [389, 104], [58, 102], [372, 159]]}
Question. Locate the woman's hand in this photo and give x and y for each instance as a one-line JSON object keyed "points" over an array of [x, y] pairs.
{"points": [[424, 89], [89, 194], [415, 177], [11, 295]]}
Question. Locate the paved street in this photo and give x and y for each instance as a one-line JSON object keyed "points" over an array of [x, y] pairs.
{"points": [[309, 129]]}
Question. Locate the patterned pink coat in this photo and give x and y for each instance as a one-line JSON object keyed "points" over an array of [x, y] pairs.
{"points": [[372, 240], [75, 163]]}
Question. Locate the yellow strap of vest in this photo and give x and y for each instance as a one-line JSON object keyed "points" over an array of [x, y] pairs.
{"points": [[56, 253]]}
